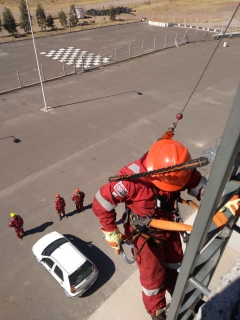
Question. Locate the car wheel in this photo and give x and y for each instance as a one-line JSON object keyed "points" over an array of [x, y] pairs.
{"points": [[67, 294]]}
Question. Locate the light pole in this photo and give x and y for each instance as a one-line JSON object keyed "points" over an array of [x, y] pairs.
{"points": [[40, 76]]}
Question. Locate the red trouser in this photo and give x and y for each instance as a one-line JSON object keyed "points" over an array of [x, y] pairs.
{"points": [[158, 269], [19, 231], [79, 206], [61, 211]]}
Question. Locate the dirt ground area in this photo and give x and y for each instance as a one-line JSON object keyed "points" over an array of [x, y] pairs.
{"points": [[205, 13]]}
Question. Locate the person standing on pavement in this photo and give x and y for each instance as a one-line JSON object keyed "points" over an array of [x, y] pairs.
{"points": [[60, 205], [16, 222], [149, 197], [78, 198]]}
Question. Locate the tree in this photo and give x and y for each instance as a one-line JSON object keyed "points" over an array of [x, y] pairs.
{"points": [[9, 22], [73, 19], [112, 13], [41, 16], [62, 18], [24, 20], [50, 21]]}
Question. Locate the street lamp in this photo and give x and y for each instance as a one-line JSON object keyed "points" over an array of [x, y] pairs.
{"points": [[40, 76]]}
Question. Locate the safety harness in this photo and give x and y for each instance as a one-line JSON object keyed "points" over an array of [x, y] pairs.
{"points": [[141, 226]]}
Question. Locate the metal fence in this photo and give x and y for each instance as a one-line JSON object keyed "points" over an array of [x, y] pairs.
{"points": [[109, 56]]}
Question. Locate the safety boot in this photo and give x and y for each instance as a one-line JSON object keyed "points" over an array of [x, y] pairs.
{"points": [[60, 218], [161, 314]]}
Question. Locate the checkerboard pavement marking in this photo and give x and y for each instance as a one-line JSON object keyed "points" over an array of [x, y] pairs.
{"points": [[68, 55]]}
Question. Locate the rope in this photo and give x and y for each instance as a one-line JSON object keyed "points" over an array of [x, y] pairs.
{"points": [[200, 162], [210, 58]]}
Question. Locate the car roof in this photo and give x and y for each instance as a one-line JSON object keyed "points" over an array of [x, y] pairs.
{"points": [[68, 257], [43, 242]]}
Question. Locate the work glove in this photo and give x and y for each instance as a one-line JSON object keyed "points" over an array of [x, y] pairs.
{"points": [[233, 205], [114, 238]]}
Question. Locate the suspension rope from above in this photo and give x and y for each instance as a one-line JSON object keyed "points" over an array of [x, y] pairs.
{"points": [[210, 59]]}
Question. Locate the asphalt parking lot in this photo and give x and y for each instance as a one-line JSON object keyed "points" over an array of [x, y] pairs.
{"points": [[109, 42], [100, 121]]}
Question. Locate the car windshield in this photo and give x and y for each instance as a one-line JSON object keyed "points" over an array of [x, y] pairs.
{"points": [[53, 246], [81, 273]]}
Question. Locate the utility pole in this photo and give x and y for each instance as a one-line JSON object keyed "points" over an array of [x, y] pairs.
{"points": [[40, 76]]}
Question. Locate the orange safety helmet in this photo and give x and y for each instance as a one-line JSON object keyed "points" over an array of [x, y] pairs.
{"points": [[166, 153], [76, 190], [57, 195]]}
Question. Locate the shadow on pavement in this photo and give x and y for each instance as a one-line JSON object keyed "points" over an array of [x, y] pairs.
{"points": [[89, 206], [112, 95], [38, 229], [105, 265], [70, 214], [15, 140]]}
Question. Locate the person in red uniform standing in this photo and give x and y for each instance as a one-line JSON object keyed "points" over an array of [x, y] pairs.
{"points": [[145, 198], [16, 222], [60, 205], [78, 198]]}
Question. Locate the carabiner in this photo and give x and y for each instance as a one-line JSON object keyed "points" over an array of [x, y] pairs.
{"points": [[129, 261]]}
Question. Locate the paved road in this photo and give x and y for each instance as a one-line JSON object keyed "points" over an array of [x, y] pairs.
{"points": [[20, 55], [99, 123]]}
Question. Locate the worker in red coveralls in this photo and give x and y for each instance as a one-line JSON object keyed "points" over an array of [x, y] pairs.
{"points": [[16, 222], [146, 197], [78, 198], [60, 205]]}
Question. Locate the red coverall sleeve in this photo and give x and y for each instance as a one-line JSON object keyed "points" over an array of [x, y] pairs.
{"points": [[10, 224], [73, 197], [56, 205], [64, 203], [107, 198]]}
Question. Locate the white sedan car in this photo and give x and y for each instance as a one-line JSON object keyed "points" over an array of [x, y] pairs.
{"points": [[74, 271]]}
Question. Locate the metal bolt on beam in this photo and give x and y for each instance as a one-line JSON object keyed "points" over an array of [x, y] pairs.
{"points": [[198, 285]]}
